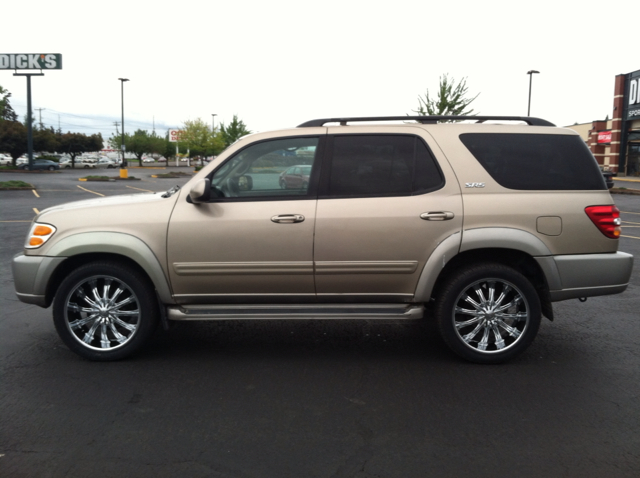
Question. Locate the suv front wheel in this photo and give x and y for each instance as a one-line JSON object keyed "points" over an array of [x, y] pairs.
{"points": [[105, 311], [488, 313]]}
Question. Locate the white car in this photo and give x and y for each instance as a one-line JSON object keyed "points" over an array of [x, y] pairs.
{"points": [[79, 163], [5, 159], [105, 162]]}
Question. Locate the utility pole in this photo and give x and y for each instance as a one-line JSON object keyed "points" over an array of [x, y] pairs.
{"points": [[40, 114]]}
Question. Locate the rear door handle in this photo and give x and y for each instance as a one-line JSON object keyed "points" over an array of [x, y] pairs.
{"points": [[288, 218], [437, 216]]}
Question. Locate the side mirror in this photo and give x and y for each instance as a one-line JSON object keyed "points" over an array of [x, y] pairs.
{"points": [[201, 191]]}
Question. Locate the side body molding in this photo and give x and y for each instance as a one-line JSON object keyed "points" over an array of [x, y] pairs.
{"points": [[121, 244]]}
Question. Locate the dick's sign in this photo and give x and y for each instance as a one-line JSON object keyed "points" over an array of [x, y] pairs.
{"points": [[633, 96], [30, 61]]}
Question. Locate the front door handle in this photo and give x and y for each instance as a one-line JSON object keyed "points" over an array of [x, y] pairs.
{"points": [[437, 216], [288, 218]]}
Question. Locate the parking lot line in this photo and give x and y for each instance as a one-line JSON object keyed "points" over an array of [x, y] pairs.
{"points": [[89, 191], [36, 210], [34, 192], [145, 190], [629, 212]]}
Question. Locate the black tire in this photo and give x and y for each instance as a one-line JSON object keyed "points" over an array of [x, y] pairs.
{"points": [[488, 313], [86, 166], [51, 168], [105, 311]]}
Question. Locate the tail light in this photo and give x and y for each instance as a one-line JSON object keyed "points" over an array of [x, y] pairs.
{"points": [[606, 218]]}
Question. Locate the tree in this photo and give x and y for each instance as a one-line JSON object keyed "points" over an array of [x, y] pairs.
{"points": [[45, 140], [138, 144], [13, 138], [232, 133], [77, 143], [200, 140], [451, 99], [6, 111]]}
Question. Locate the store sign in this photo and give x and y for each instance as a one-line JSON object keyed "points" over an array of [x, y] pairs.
{"points": [[30, 61], [633, 96], [174, 135], [604, 137]]}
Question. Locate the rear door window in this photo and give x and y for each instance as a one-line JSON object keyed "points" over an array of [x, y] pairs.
{"points": [[381, 165]]}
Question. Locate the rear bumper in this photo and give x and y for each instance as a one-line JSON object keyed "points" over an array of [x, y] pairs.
{"points": [[586, 275]]}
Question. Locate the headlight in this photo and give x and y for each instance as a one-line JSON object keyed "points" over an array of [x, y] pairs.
{"points": [[39, 234]]}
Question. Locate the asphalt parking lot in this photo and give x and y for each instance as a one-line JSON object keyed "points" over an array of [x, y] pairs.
{"points": [[313, 399]]}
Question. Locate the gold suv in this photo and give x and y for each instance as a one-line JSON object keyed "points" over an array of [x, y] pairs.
{"points": [[482, 225]]}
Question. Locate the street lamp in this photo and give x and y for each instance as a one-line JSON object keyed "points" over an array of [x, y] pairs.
{"points": [[530, 73], [213, 122], [122, 80]]}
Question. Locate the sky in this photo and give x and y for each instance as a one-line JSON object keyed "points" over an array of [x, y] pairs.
{"points": [[279, 63]]}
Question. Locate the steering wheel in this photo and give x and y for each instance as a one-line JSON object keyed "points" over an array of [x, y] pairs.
{"points": [[231, 187]]}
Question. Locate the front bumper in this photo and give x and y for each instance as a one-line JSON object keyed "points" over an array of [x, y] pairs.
{"points": [[586, 275], [31, 275]]}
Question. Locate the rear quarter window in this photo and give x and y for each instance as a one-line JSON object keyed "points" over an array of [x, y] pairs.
{"points": [[536, 161]]}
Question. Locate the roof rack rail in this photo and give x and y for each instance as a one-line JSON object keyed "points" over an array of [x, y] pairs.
{"points": [[427, 120]]}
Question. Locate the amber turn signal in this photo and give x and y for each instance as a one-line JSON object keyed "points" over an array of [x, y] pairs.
{"points": [[40, 233], [42, 230]]}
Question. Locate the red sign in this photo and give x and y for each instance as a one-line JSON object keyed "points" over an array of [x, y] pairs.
{"points": [[604, 137], [174, 135]]}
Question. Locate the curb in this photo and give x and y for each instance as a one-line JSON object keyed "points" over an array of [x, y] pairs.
{"points": [[633, 192], [27, 171]]}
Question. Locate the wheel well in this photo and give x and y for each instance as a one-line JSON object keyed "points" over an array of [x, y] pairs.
{"points": [[518, 260], [74, 262]]}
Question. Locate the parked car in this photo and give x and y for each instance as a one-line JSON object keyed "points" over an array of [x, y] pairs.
{"points": [[41, 164], [479, 227], [295, 177], [105, 162], [148, 159], [79, 163], [5, 160]]}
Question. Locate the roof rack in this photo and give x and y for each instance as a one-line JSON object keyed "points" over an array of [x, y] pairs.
{"points": [[427, 120]]}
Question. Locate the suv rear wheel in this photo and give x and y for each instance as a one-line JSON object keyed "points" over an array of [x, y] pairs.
{"points": [[105, 311], [488, 313]]}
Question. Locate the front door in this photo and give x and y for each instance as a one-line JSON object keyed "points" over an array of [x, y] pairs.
{"points": [[256, 241]]}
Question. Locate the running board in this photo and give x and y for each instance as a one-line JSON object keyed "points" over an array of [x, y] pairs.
{"points": [[301, 312]]}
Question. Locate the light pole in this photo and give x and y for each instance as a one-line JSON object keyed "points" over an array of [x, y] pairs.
{"points": [[213, 122], [530, 73], [123, 165]]}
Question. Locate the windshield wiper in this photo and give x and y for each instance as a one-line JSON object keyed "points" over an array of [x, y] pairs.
{"points": [[171, 192]]}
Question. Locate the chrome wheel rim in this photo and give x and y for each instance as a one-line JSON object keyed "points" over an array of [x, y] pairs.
{"points": [[102, 313], [491, 316]]}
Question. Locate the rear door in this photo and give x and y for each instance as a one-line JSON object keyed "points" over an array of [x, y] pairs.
{"points": [[386, 201]]}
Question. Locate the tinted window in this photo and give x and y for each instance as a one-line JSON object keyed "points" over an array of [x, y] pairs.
{"points": [[536, 161], [382, 165]]}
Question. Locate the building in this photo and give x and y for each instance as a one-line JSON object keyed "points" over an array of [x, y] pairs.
{"points": [[616, 142]]}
